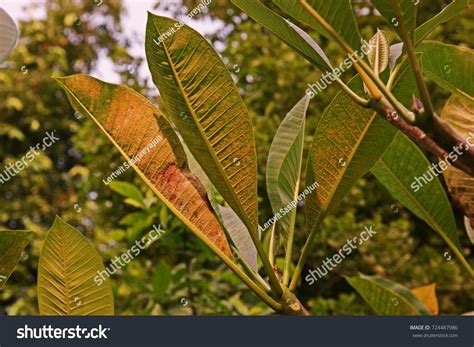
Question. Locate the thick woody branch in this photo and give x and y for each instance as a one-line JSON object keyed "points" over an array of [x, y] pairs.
{"points": [[423, 140]]}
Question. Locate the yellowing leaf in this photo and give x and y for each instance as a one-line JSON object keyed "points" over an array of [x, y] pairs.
{"points": [[141, 131], [427, 295], [204, 104], [348, 141], [68, 275]]}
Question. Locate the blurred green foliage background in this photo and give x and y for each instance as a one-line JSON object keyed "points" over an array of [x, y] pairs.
{"points": [[177, 274]]}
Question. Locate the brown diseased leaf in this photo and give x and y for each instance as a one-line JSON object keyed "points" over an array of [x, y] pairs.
{"points": [[427, 295], [459, 112], [141, 131]]}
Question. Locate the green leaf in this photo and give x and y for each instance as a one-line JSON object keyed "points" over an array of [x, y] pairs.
{"points": [[71, 277], [284, 163], [348, 141], [408, 9], [204, 103], [379, 51], [133, 124], [448, 13], [387, 298], [127, 190], [403, 170], [12, 244], [451, 67], [161, 279], [240, 236], [285, 31], [339, 14]]}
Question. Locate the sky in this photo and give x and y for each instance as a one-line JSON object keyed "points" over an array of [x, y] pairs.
{"points": [[135, 20]]}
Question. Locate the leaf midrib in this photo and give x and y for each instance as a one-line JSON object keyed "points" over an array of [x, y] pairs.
{"points": [[65, 272]]}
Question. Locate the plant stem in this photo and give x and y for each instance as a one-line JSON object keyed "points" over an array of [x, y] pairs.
{"points": [[289, 248], [368, 75], [421, 139], [394, 74], [304, 254], [425, 96], [274, 283], [271, 251], [361, 101], [373, 90], [254, 275], [243, 276], [289, 244]]}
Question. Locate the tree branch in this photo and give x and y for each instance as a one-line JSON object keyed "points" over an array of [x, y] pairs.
{"points": [[384, 109]]}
